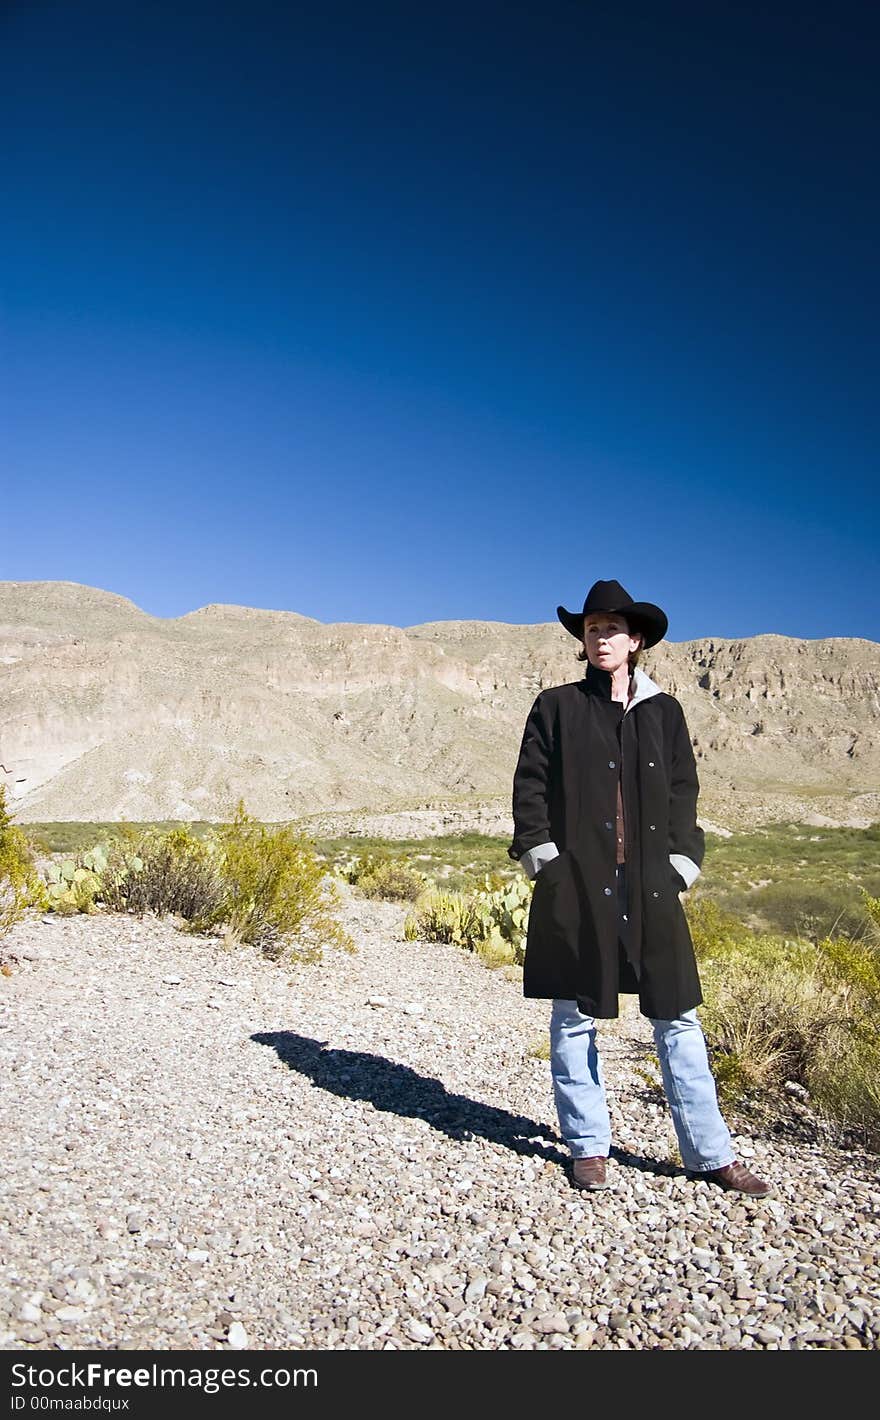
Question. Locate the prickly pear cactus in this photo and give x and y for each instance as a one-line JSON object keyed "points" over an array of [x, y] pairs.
{"points": [[492, 921], [96, 860], [507, 909], [73, 886]]}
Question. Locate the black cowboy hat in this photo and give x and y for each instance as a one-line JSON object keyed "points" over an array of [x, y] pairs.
{"points": [[611, 596]]}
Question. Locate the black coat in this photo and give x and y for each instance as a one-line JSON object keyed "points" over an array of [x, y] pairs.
{"points": [[576, 742]]}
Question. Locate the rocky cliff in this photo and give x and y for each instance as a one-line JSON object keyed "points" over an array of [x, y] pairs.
{"points": [[108, 713]]}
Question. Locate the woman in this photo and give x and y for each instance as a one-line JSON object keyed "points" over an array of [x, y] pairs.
{"points": [[604, 807]]}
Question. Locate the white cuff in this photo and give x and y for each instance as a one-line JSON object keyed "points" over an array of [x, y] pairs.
{"points": [[533, 861], [685, 866]]}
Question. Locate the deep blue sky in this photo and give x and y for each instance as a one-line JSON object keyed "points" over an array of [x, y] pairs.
{"points": [[399, 312]]}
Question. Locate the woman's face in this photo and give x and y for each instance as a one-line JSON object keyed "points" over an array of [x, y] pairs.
{"points": [[608, 641]]}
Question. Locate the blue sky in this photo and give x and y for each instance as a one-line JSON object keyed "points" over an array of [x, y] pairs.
{"points": [[398, 313]]}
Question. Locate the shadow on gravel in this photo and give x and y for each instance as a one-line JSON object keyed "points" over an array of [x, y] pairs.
{"points": [[638, 1161], [397, 1089]]}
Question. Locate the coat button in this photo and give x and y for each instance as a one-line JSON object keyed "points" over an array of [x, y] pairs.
{"points": [[652, 826], [611, 764], [608, 823], [650, 764], [608, 892], [655, 894]]}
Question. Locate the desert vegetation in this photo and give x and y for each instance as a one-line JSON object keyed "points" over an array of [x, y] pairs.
{"points": [[785, 923], [491, 920], [790, 879], [254, 884], [458, 861], [791, 1015], [382, 874], [74, 837], [794, 879], [20, 883]]}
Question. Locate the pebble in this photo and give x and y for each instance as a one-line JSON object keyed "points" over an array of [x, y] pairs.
{"points": [[553, 1323], [237, 1337], [523, 1340], [32, 1335], [70, 1314], [418, 1331], [321, 1167]]}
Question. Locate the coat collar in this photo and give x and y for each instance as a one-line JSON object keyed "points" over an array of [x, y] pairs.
{"points": [[598, 682]]}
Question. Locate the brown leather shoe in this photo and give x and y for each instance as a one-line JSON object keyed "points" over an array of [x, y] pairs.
{"points": [[589, 1173], [736, 1177]]}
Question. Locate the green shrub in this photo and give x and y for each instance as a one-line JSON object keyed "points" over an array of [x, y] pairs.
{"points": [[763, 1012], [358, 866], [172, 872], [809, 909], [346, 868], [441, 916], [20, 884], [779, 1009], [264, 887], [716, 934], [392, 878], [872, 909], [844, 1077], [274, 892]]}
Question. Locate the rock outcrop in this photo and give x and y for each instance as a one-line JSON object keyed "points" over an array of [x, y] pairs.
{"points": [[109, 713]]}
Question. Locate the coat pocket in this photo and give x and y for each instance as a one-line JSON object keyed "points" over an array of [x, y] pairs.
{"points": [[551, 959], [552, 869]]}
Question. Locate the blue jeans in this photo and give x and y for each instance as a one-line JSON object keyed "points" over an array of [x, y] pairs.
{"points": [[579, 1089]]}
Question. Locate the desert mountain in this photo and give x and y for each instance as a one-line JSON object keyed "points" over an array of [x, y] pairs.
{"points": [[109, 713]]}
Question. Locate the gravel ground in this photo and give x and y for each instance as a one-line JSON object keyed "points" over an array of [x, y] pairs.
{"points": [[209, 1151]]}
